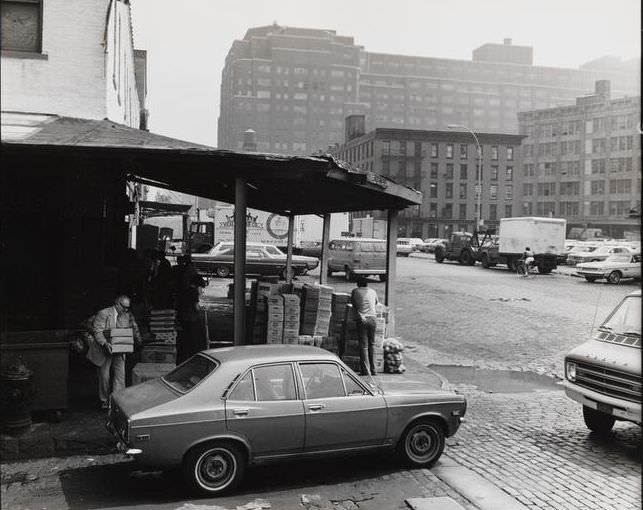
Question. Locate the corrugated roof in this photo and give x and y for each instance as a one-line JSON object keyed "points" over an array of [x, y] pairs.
{"points": [[275, 182]]}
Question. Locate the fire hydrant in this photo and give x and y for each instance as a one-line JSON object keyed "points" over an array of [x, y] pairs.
{"points": [[17, 392]]}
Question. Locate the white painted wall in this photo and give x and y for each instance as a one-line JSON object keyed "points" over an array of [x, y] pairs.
{"points": [[70, 76]]}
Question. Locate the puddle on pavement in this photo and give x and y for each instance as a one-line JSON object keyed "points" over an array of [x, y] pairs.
{"points": [[495, 381]]}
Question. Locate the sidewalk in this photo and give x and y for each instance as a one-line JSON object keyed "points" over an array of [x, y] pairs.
{"points": [[82, 431]]}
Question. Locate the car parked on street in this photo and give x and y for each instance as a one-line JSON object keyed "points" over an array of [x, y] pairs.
{"points": [[416, 243], [224, 409], [431, 243], [404, 247], [613, 268], [261, 259], [604, 373], [600, 253]]}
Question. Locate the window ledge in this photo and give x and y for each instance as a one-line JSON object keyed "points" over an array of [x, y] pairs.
{"points": [[24, 54]]}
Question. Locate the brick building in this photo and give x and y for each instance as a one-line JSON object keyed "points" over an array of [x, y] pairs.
{"points": [[72, 58], [295, 86], [583, 162], [443, 165]]}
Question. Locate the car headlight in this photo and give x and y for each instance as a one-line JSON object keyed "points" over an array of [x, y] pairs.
{"points": [[570, 370]]}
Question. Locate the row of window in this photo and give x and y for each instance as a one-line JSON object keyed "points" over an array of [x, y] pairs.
{"points": [[572, 209], [575, 126], [462, 191], [549, 168], [549, 188], [446, 212]]}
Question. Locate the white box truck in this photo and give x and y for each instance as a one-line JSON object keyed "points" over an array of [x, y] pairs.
{"points": [[545, 237]]}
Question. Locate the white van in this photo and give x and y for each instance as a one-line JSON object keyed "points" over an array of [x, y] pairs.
{"points": [[604, 373], [357, 256]]}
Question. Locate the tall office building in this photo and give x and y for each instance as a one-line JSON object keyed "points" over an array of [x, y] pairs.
{"points": [[295, 87], [583, 162]]}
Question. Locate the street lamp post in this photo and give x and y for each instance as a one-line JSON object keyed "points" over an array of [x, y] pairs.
{"points": [[479, 178]]}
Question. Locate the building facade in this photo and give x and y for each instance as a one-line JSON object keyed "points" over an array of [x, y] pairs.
{"points": [[70, 58], [444, 166], [295, 86], [583, 162]]}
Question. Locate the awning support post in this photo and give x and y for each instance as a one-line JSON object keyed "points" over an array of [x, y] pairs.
{"points": [[240, 211], [391, 270], [291, 232], [323, 255]]}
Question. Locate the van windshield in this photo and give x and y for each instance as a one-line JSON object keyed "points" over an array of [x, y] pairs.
{"points": [[626, 319]]}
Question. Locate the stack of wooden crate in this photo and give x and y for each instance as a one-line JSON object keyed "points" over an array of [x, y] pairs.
{"points": [[316, 310], [274, 319], [292, 311]]}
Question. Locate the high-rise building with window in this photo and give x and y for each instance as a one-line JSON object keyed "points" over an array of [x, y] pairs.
{"points": [[444, 166], [583, 162], [295, 86]]}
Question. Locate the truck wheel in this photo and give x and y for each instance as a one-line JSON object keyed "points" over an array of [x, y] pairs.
{"points": [[598, 422], [222, 271], [466, 258], [590, 279], [542, 270], [614, 277], [439, 256], [485, 261]]}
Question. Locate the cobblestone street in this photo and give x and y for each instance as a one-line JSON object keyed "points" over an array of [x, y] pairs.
{"points": [[532, 445]]}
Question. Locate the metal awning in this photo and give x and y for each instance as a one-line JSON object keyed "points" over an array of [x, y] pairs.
{"points": [[278, 183]]}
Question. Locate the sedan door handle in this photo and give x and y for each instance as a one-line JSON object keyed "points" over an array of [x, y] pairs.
{"points": [[240, 412], [316, 407]]}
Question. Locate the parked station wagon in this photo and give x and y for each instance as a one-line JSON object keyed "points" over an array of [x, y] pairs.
{"points": [[224, 409]]}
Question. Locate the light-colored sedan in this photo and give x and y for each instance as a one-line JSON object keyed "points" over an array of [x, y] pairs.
{"points": [[224, 409], [613, 269], [600, 253]]}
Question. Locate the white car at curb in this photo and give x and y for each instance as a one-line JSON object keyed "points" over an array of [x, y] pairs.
{"points": [[613, 269]]}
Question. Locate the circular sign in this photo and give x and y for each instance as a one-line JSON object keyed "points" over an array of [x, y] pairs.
{"points": [[275, 226]]}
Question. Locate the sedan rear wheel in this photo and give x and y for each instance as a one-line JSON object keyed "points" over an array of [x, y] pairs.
{"points": [[212, 469], [614, 277], [223, 271], [422, 443]]}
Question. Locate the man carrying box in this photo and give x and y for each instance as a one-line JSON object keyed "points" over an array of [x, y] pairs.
{"points": [[106, 351]]}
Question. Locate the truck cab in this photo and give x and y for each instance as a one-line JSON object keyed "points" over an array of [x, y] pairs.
{"points": [[604, 373]]}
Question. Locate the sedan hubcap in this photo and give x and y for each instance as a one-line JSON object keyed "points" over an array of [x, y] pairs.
{"points": [[216, 468]]}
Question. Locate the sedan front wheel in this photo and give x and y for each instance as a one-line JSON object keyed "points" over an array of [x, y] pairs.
{"points": [[422, 443], [212, 469]]}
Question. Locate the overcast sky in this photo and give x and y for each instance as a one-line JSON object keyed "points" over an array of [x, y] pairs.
{"points": [[187, 41]]}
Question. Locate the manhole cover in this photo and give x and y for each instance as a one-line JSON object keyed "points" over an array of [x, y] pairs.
{"points": [[496, 381]]}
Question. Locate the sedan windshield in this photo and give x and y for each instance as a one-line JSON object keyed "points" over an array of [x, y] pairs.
{"points": [[626, 319], [189, 374]]}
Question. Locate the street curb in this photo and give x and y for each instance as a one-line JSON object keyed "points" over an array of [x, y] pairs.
{"points": [[483, 494]]}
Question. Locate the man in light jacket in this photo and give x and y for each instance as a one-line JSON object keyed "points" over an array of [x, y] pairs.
{"points": [[100, 347]]}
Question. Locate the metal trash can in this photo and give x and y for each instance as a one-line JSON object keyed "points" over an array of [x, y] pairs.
{"points": [[17, 392]]}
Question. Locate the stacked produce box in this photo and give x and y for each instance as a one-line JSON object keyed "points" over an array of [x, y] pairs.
{"points": [[292, 311], [258, 306], [337, 321], [316, 310], [274, 319], [162, 347]]}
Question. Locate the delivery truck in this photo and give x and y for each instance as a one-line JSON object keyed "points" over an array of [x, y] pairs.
{"points": [[544, 236], [199, 235]]}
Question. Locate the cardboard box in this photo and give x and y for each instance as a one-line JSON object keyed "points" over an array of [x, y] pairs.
{"points": [[158, 353], [120, 332], [147, 371]]}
